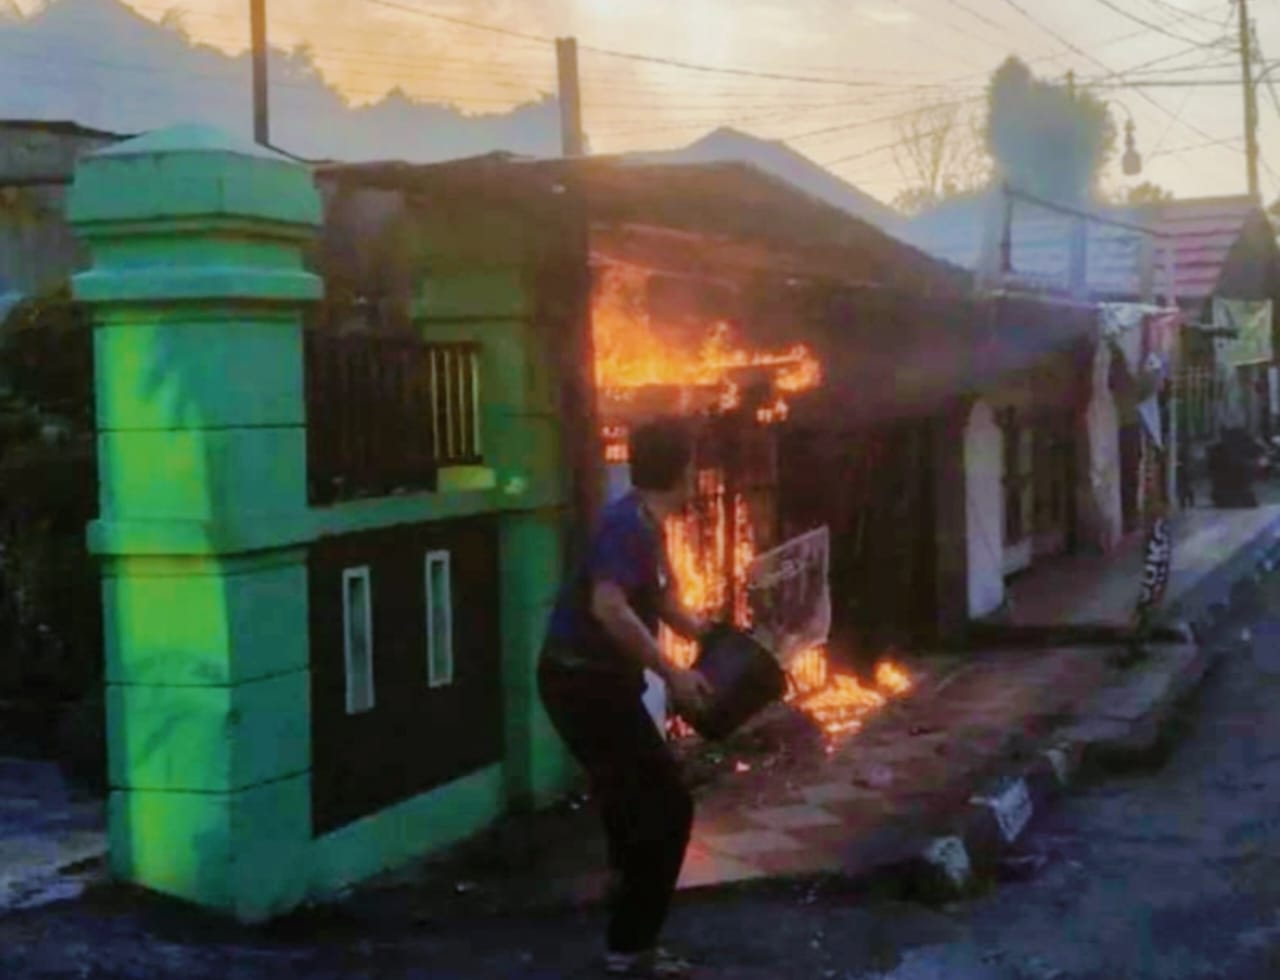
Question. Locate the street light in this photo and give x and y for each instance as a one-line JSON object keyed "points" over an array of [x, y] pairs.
{"points": [[1131, 162]]}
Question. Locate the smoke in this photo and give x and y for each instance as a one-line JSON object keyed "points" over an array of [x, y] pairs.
{"points": [[1045, 138]]}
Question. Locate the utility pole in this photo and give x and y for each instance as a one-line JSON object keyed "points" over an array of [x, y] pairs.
{"points": [[1250, 98], [258, 25], [571, 142]]}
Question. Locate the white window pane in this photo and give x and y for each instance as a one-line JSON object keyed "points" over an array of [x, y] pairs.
{"points": [[357, 614], [439, 620]]}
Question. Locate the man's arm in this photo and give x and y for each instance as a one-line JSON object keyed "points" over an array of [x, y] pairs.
{"points": [[681, 619], [610, 607], [689, 689]]}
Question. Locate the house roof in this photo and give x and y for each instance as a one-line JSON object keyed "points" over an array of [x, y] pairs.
{"points": [[1202, 232], [774, 157], [62, 127], [752, 220]]}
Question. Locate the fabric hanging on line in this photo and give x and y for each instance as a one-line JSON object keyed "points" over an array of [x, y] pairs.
{"points": [[1103, 443], [1251, 321]]}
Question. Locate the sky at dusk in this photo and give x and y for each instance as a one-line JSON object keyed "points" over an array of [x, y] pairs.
{"points": [[879, 59]]}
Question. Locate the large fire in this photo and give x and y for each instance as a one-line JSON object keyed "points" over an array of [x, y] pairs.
{"points": [[713, 544], [630, 354]]}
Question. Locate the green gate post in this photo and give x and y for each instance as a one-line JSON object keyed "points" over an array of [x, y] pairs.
{"points": [[484, 286], [197, 285]]}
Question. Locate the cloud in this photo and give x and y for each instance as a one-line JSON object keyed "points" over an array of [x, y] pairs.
{"points": [[885, 15]]}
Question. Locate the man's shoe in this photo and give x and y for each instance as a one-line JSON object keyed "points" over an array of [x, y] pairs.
{"points": [[659, 964]]}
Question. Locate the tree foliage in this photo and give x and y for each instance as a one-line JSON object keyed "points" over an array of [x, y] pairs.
{"points": [[1148, 193], [940, 154], [1046, 138]]}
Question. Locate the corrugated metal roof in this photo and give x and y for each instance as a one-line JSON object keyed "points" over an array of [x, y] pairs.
{"points": [[1201, 231]]}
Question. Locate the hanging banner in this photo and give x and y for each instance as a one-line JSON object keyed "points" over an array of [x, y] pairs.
{"points": [[1251, 321], [1159, 341], [789, 595]]}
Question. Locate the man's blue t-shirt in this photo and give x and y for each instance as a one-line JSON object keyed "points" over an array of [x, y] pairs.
{"points": [[628, 548]]}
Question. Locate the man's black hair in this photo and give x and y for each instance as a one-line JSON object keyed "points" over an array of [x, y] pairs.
{"points": [[660, 452]]}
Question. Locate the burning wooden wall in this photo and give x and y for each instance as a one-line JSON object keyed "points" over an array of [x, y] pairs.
{"points": [[657, 358]]}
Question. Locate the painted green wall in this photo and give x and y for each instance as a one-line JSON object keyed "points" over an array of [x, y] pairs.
{"points": [[198, 288]]}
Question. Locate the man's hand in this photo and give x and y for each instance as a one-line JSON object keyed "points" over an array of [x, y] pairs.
{"points": [[690, 692]]}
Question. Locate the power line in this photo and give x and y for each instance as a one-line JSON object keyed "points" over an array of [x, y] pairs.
{"points": [[1186, 99], [892, 117], [1225, 141], [978, 14], [636, 56], [721, 121], [1183, 14], [883, 148], [1150, 25], [1111, 73]]}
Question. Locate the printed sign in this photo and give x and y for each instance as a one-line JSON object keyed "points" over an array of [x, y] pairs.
{"points": [[789, 595], [1157, 558], [1012, 808]]}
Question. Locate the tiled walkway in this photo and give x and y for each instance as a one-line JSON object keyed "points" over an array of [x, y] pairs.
{"points": [[893, 781], [875, 798], [1104, 589]]}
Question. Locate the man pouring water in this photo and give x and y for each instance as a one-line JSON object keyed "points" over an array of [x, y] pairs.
{"points": [[602, 638]]}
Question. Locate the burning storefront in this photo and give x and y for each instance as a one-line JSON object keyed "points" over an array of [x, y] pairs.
{"points": [[830, 369]]}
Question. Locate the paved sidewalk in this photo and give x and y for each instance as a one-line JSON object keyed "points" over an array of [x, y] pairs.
{"points": [[51, 843], [782, 799], [781, 804], [1212, 550]]}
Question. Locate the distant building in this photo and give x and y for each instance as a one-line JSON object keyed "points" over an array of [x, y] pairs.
{"points": [[37, 249]]}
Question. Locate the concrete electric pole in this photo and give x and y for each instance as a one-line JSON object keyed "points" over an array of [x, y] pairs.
{"points": [[258, 26], [571, 142], [1250, 98]]}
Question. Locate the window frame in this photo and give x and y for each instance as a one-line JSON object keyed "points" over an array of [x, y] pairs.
{"points": [[360, 573], [437, 558]]}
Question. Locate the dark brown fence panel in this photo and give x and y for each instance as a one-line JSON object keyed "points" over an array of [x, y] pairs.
{"points": [[415, 737], [385, 413]]}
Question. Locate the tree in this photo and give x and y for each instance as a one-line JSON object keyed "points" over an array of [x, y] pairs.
{"points": [[1045, 138], [1148, 193], [940, 154]]}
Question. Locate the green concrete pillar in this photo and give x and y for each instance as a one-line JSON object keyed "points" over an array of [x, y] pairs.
{"points": [[483, 287], [197, 285]]}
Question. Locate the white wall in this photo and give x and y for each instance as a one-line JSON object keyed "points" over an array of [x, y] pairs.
{"points": [[1101, 516], [984, 508]]}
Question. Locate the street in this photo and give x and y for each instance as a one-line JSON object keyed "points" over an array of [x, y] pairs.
{"points": [[1168, 873]]}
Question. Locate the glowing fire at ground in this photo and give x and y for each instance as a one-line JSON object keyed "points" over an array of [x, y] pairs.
{"points": [[631, 354]]}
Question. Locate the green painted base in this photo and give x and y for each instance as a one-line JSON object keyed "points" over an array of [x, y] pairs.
{"points": [[249, 854], [406, 832], [244, 853]]}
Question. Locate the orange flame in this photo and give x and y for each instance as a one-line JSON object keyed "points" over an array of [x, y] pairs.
{"points": [[630, 353], [839, 702]]}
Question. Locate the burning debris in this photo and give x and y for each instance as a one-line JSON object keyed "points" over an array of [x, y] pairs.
{"points": [[645, 366]]}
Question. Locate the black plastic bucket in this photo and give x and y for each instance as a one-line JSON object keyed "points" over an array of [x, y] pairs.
{"points": [[744, 676]]}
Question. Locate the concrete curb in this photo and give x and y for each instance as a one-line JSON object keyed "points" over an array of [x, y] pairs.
{"points": [[1206, 603], [1126, 723]]}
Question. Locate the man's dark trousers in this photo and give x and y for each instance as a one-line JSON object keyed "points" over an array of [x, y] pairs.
{"points": [[647, 812]]}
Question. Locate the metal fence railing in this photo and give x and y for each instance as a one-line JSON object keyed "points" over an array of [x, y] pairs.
{"points": [[385, 414], [1199, 391]]}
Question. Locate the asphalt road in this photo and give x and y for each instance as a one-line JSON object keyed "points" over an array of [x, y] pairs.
{"points": [[1172, 873]]}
